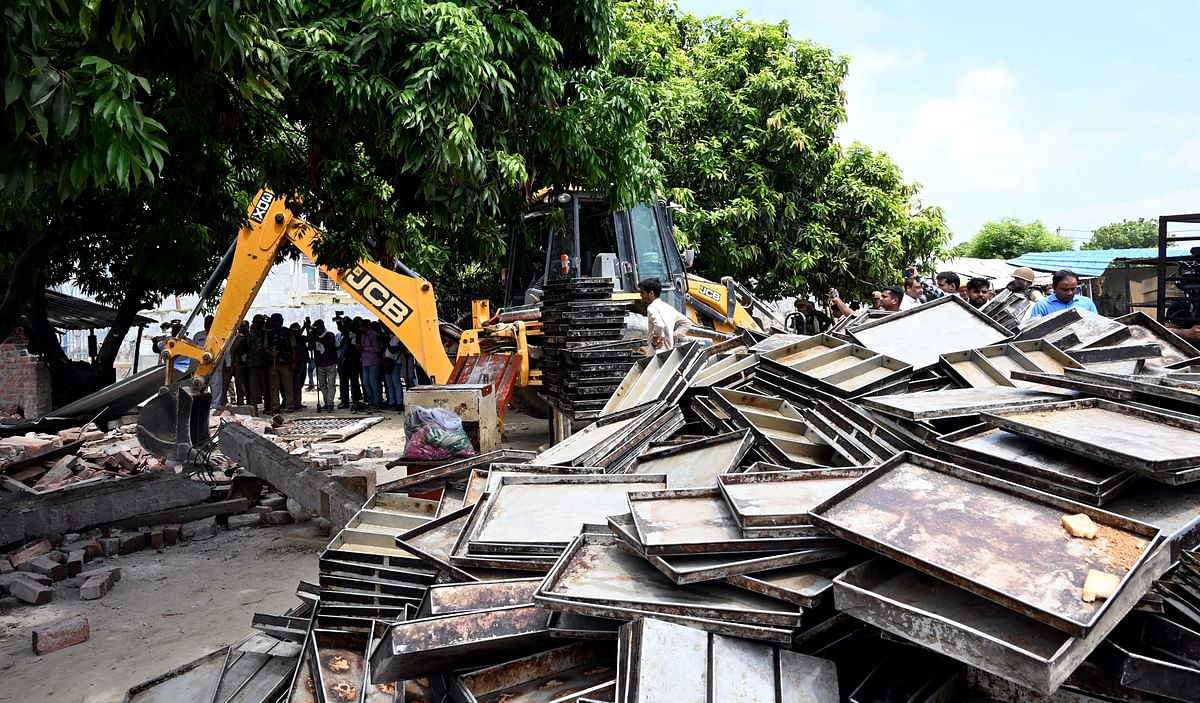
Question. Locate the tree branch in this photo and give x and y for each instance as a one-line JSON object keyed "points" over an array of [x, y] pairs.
{"points": [[22, 284]]}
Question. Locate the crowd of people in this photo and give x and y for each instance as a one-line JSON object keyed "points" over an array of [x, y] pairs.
{"points": [[915, 290], [268, 364]]}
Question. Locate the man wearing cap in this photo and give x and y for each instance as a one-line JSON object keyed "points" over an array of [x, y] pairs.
{"points": [[1065, 285]]}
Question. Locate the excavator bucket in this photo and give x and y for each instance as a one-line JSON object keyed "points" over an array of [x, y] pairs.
{"points": [[175, 421]]}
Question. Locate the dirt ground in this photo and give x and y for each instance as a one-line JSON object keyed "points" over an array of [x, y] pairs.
{"points": [[175, 605]]}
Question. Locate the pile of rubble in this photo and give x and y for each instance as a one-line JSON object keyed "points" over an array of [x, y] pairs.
{"points": [[38, 462], [907, 509]]}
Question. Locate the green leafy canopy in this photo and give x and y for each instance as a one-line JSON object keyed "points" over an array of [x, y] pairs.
{"points": [[1009, 238]]}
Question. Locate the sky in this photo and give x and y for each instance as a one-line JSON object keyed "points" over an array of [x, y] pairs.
{"points": [[1078, 114]]}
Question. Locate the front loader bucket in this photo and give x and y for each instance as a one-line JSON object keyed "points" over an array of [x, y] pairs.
{"points": [[174, 421]]}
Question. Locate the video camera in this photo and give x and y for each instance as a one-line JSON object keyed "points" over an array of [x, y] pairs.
{"points": [[1186, 312]]}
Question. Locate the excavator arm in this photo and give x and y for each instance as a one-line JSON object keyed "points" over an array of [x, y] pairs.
{"points": [[176, 421]]}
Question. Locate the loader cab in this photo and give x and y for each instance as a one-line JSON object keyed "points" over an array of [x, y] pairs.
{"points": [[569, 235]]}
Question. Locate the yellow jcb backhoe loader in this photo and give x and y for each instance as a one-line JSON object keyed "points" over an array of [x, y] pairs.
{"points": [[176, 421]]}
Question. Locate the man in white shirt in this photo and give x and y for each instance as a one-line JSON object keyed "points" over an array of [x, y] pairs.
{"points": [[913, 290], [666, 324]]}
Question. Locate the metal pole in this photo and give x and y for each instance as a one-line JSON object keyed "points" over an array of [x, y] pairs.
{"points": [[137, 349]]}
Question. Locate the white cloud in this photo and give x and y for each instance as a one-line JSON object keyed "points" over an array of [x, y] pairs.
{"points": [[1089, 216]]}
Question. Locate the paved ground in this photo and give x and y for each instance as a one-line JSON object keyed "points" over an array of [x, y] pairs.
{"points": [[180, 603]]}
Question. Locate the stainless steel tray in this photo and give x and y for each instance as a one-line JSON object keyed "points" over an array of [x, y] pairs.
{"points": [[804, 349], [1120, 435], [1174, 510], [594, 577], [661, 661], [974, 370], [698, 521], [918, 336], [807, 585], [697, 464], [958, 402], [533, 514], [483, 481], [1047, 357], [1021, 456], [783, 433], [781, 498], [438, 475], [971, 629], [1150, 388], [1144, 328], [545, 676], [997, 539], [434, 541]]}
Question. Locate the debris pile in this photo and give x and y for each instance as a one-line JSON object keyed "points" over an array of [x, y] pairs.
{"points": [[38, 462], [917, 507]]}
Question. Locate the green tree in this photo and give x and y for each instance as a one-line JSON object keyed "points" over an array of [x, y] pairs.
{"points": [[1008, 238], [743, 120], [1127, 234]]}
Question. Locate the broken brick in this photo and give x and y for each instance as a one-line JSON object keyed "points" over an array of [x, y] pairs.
{"points": [[56, 555], [279, 517], [131, 543], [30, 591], [112, 572], [243, 520], [30, 552], [48, 567], [75, 561], [170, 535], [95, 587], [112, 546], [60, 635], [6, 566], [199, 529], [157, 540]]}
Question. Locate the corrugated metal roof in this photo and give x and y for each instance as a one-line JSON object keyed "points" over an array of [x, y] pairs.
{"points": [[1086, 262], [70, 313]]}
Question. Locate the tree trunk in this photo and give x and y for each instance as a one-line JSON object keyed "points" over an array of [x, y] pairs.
{"points": [[23, 283], [126, 311]]}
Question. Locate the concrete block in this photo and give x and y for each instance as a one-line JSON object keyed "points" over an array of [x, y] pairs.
{"points": [[275, 502], [6, 566], [170, 535], [156, 538], [34, 577], [31, 551], [131, 543], [47, 567], [323, 525], [30, 591], [246, 520], [199, 529], [95, 587], [360, 482], [60, 635], [279, 517], [112, 546]]}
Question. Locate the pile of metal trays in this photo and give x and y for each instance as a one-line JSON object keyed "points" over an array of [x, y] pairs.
{"points": [[615, 441], [697, 463], [995, 365], [661, 378], [784, 435], [1158, 445], [981, 569], [836, 366], [919, 336], [663, 661]]}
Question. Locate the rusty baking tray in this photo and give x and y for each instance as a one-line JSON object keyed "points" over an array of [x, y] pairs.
{"points": [[594, 577], [434, 542], [487, 480], [662, 661], [695, 568], [860, 422], [724, 369], [781, 498], [698, 521], [361, 585], [582, 447], [958, 402], [384, 692], [1141, 672], [918, 336], [974, 370], [659, 378], [337, 660], [447, 598], [697, 463], [783, 433], [534, 515], [392, 513], [545, 676], [853, 440], [582, 627], [806, 585], [442, 643], [961, 625], [1000, 540], [1152, 388], [1085, 388], [803, 349], [1047, 357], [1144, 328], [256, 669], [1034, 464], [1117, 434], [452, 500], [438, 475], [847, 370], [1175, 510]]}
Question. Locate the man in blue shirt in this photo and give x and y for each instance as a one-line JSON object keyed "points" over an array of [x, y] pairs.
{"points": [[1065, 284]]}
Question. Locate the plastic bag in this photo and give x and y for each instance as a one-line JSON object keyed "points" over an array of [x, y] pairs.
{"points": [[435, 434]]}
